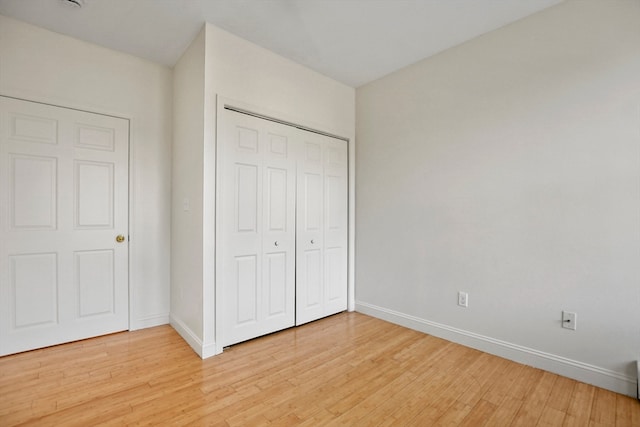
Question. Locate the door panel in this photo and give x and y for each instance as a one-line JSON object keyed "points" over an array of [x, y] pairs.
{"points": [[311, 293], [321, 282], [32, 192], [334, 258], [312, 199], [31, 128], [277, 188], [255, 226], [247, 198], [276, 289], [34, 289], [93, 196], [246, 295], [335, 227], [96, 138], [95, 282], [64, 199]]}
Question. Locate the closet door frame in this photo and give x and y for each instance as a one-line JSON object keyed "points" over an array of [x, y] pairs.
{"points": [[214, 311]]}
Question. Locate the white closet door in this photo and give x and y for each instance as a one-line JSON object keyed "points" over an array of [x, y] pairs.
{"points": [[63, 201], [321, 269], [255, 226], [335, 226]]}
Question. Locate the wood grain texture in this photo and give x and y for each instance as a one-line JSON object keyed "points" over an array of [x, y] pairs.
{"points": [[345, 370]]}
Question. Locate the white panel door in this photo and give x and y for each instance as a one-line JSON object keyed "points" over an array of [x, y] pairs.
{"points": [[321, 254], [64, 199], [255, 245]]}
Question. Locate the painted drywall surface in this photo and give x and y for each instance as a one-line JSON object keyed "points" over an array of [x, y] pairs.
{"points": [[39, 65], [509, 168], [262, 81], [245, 72], [187, 187]]}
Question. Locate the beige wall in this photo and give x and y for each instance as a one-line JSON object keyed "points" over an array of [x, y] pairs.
{"points": [[509, 168], [39, 65], [187, 187]]}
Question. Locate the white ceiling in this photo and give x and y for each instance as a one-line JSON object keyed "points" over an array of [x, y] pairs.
{"points": [[352, 41]]}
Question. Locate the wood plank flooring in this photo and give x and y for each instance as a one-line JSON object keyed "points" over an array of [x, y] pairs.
{"points": [[346, 370]]}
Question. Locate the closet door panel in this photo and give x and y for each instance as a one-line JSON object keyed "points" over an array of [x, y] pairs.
{"points": [[246, 295], [255, 242], [335, 226], [275, 283], [322, 228], [309, 235], [279, 225], [240, 263]]}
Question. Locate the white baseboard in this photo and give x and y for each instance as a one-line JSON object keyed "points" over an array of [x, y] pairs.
{"points": [[201, 349], [149, 322], [574, 369]]}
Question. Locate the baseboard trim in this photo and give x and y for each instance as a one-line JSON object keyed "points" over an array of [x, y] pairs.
{"points": [[201, 349], [574, 369], [149, 322]]}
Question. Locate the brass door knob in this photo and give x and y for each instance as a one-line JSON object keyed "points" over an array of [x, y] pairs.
{"points": [[120, 238]]}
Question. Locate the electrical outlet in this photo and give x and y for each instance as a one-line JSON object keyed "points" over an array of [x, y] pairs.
{"points": [[463, 299], [569, 320]]}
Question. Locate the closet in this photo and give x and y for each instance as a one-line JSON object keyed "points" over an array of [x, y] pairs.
{"points": [[281, 226]]}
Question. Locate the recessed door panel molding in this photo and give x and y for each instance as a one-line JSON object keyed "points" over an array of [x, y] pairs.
{"points": [[95, 137], [64, 179], [34, 286], [29, 128], [246, 296], [336, 157], [276, 283], [313, 152], [95, 282], [312, 196], [94, 192], [334, 271], [335, 207], [277, 145], [33, 190], [312, 290], [276, 187], [247, 198], [247, 139]]}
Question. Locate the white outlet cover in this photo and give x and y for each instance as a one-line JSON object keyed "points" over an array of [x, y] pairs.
{"points": [[569, 320], [463, 299]]}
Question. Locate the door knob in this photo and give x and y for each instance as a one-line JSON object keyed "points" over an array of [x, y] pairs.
{"points": [[312, 242], [120, 238], [275, 243]]}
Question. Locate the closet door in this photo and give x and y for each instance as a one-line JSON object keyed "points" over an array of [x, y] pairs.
{"points": [[255, 226], [321, 253]]}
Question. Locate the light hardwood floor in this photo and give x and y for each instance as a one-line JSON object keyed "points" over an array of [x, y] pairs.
{"points": [[348, 369]]}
